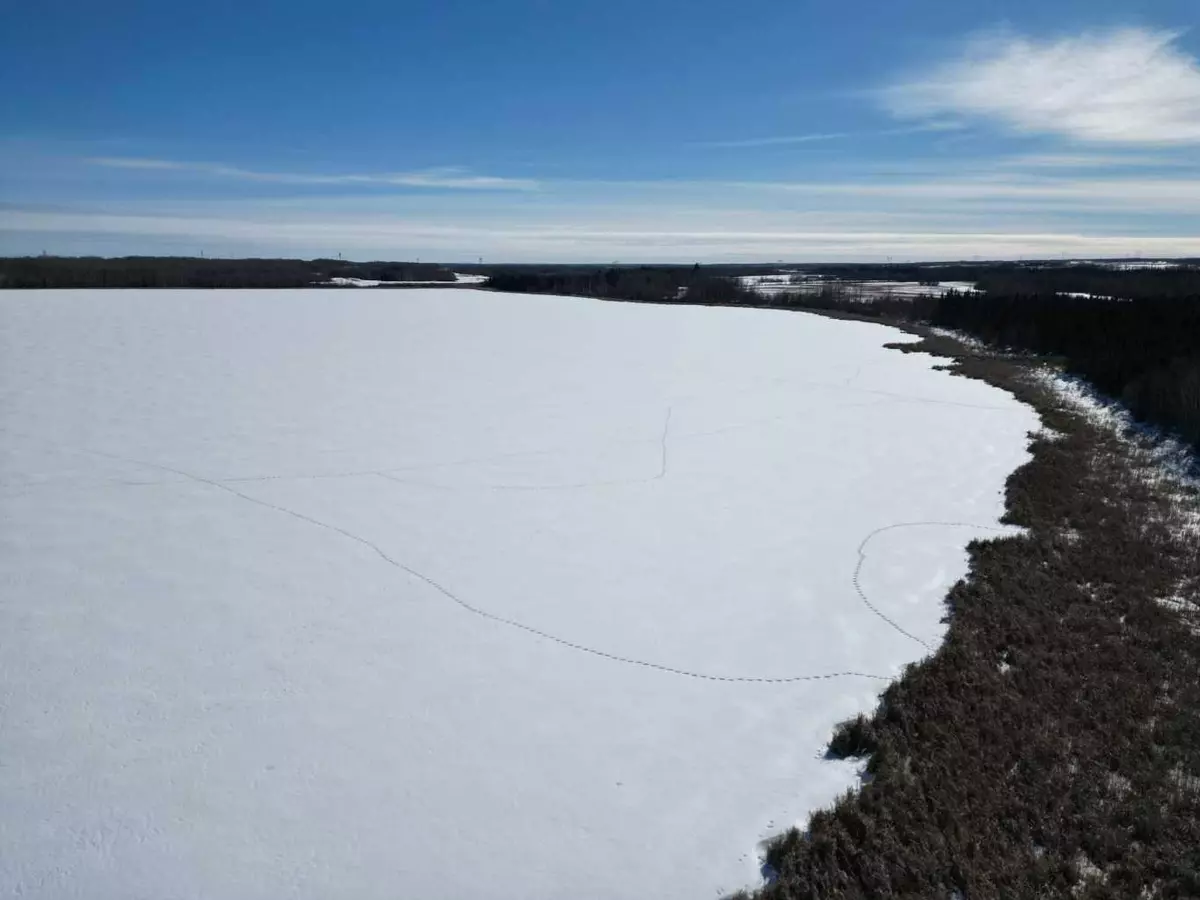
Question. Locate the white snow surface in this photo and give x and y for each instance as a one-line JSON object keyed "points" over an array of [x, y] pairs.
{"points": [[455, 593]]}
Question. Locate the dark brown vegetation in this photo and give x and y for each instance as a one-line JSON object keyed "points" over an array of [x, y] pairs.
{"points": [[1051, 746], [199, 272]]}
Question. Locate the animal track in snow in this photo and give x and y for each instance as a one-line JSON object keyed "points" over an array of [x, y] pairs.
{"points": [[862, 558], [484, 614], [479, 612]]}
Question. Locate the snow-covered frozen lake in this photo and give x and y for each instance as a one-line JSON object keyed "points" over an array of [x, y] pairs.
{"points": [[371, 594]]}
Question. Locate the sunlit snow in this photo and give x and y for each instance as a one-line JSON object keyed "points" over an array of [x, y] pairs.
{"points": [[378, 594]]}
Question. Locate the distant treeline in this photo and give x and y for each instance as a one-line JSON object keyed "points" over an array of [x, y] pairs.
{"points": [[646, 284], [199, 272], [1144, 352], [1101, 281]]}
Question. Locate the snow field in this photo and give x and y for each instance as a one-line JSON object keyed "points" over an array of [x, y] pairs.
{"points": [[455, 593]]}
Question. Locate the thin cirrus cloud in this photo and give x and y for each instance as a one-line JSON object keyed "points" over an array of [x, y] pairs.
{"points": [[780, 140], [816, 137], [1127, 160], [443, 178], [573, 241], [1131, 86]]}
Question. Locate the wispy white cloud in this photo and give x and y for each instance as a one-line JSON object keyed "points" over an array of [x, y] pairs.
{"points": [[1061, 161], [1075, 201], [815, 137], [777, 141], [1129, 86], [649, 233], [1148, 194], [445, 178]]}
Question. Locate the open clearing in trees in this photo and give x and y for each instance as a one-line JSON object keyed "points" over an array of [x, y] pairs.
{"points": [[455, 593]]}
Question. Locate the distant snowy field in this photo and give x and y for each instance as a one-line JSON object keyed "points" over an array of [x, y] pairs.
{"points": [[459, 279], [1129, 265], [772, 285], [371, 594]]}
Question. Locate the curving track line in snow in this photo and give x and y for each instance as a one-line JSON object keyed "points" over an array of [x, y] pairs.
{"points": [[862, 558], [483, 613], [572, 645]]}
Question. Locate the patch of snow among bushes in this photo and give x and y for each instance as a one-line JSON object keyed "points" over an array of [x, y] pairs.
{"points": [[962, 337], [1161, 460]]}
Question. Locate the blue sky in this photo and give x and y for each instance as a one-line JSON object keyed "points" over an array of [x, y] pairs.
{"points": [[597, 131]]}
